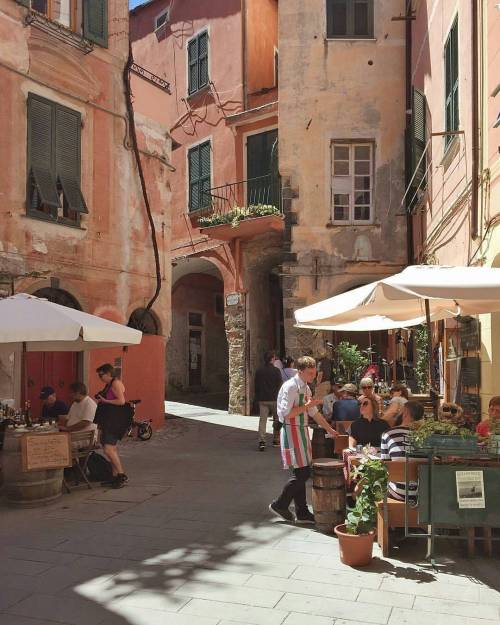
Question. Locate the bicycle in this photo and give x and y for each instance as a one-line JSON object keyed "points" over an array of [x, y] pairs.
{"points": [[144, 431]]}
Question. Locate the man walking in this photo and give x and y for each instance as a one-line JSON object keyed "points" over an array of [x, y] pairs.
{"points": [[295, 405], [267, 386]]}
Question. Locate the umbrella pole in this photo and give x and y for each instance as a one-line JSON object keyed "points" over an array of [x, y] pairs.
{"points": [[24, 369], [432, 385]]}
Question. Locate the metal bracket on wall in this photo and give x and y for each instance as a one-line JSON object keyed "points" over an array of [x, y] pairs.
{"points": [[150, 77]]}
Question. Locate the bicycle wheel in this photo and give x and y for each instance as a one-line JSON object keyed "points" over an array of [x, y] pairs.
{"points": [[145, 432]]}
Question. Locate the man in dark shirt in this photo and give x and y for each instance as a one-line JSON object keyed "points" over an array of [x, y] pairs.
{"points": [[347, 407], [267, 385], [52, 407]]}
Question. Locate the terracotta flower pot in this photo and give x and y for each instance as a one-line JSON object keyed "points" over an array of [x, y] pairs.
{"points": [[355, 549]]}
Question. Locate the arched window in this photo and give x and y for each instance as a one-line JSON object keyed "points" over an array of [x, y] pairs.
{"points": [[145, 321], [58, 296]]}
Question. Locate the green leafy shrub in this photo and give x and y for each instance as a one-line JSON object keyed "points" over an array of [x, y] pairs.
{"points": [[422, 366], [237, 215], [422, 430], [372, 487], [350, 358]]}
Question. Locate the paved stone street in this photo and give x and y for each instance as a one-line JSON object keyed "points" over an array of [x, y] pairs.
{"points": [[190, 542]]}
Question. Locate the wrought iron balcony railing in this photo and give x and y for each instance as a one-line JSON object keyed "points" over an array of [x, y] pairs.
{"points": [[256, 197]]}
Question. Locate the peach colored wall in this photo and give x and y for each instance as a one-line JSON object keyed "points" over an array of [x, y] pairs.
{"points": [[107, 264], [262, 39]]}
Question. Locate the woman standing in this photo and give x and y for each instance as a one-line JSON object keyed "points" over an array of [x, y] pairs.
{"points": [[113, 394]]}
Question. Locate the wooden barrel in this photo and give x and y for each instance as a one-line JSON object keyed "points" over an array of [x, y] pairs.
{"points": [[328, 493], [27, 488], [321, 447]]}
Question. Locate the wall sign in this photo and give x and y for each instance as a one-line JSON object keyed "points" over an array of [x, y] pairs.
{"points": [[470, 489], [46, 451], [232, 299]]}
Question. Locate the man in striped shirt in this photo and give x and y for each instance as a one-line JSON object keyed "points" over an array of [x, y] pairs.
{"points": [[394, 445]]}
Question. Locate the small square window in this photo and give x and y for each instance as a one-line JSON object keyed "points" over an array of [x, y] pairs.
{"points": [[162, 19], [349, 19], [195, 319]]}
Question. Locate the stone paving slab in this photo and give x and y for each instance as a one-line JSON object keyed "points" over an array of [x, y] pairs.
{"points": [[190, 542]]}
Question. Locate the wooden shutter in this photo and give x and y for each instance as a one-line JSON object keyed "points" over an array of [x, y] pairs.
{"points": [[95, 21], [68, 137], [418, 138], [205, 174], [41, 153], [202, 60], [194, 169], [193, 65], [25, 3]]}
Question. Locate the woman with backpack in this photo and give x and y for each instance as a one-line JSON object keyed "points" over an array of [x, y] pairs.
{"points": [[111, 418]]}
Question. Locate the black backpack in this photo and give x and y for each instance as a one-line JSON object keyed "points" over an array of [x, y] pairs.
{"points": [[99, 468]]}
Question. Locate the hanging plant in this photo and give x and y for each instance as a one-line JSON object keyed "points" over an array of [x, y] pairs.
{"points": [[422, 365]]}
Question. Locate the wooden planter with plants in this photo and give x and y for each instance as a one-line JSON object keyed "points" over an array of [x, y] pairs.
{"points": [[356, 535], [439, 435]]}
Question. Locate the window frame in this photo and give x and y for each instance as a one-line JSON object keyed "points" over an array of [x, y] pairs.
{"points": [[197, 146], [351, 145], [60, 215], [196, 37], [451, 96], [165, 12], [350, 21]]}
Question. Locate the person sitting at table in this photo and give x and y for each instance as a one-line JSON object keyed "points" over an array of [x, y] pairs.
{"points": [[347, 407], [367, 389], [368, 429], [288, 370], [52, 407], [483, 427], [394, 445], [328, 403], [399, 397], [80, 417]]}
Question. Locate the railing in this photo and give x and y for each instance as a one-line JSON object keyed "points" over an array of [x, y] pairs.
{"points": [[248, 195]]}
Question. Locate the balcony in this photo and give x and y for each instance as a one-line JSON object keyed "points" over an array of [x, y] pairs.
{"points": [[241, 210]]}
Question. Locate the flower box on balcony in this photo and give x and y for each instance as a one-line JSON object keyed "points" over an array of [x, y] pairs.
{"points": [[242, 223]]}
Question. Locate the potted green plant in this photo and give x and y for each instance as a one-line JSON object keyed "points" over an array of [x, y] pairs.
{"points": [[438, 434], [494, 444], [357, 533], [350, 359]]}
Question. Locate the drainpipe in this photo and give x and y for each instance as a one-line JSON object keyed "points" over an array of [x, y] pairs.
{"points": [[408, 107], [244, 59], [475, 122]]}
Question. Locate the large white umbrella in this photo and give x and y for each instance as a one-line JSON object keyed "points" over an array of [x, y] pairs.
{"points": [[408, 298], [34, 324]]}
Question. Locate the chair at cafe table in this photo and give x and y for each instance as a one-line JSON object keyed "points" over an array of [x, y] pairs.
{"points": [[82, 445], [342, 426], [390, 512]]}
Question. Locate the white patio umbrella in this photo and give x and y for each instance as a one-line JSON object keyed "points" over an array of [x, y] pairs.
{"points": [[34, 324], [420, 293]]}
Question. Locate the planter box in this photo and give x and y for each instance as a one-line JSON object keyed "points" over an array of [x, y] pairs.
{"points": [[494, 444], [446, 441]]}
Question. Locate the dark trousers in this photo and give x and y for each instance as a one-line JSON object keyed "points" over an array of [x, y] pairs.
{"points": [[295, 489]]}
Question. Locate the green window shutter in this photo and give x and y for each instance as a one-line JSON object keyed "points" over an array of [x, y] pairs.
{"points": [[202, 60], [193, 66], [451, 82], [205, 177], [25, 3], [68, 138], [419, 108], [194, 176], [95, 21], [42, 186]]}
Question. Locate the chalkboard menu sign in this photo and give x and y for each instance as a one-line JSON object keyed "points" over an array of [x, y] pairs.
{"points": [[471, 371], [471, 404], [46, 451], [469, 334]]}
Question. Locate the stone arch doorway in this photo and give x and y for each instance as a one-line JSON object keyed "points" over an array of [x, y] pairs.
{"points": [[197, 350], [55, 369], [145, 321]]}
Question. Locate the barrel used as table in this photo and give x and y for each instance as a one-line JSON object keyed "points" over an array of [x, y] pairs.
{"points": [[27, 488], [328, 493], [322, 447]]}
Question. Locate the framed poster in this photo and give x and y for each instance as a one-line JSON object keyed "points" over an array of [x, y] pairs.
{"points": [[470, 489], [46, 451]]}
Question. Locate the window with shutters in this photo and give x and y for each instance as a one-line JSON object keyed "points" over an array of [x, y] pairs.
{"points": [[197, 51], [418, 142], [352, 183], [349, 19], [53, 162], [199, 176], [451, 82], [88, 18]]}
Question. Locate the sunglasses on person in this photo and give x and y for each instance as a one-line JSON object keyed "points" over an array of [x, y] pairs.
{"points": [[450, 409], [365, 387]]}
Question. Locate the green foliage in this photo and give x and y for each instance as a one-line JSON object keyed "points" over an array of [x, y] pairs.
{"points": [[237, 214], [350, 358], [372, 474], [494, 426], [422, 366], [421, 430]]}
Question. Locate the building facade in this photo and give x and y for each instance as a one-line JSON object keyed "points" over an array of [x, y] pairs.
{"points": [[220, 58], [342, 151], [74, 227], [453, 189]]}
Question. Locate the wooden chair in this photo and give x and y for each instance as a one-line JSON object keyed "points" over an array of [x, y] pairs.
{"points": [[341, 443], [342, 426], [82, 445], [390, 512]]}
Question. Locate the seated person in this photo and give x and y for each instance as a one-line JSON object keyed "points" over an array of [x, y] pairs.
{"points": [[399, 397], [394, 445], [449, 411], [80, 417], [368, 429], [367, 389], [347, 407], [328, 402], [483, 428], [52, 407], [288, 370]]}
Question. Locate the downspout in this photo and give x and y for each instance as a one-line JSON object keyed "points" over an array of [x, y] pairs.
{"points": [[408, 108], [244, 57], [475, 122]]}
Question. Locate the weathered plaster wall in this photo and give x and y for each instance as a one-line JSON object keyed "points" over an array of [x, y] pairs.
{"points": [[344, 90], [261, 41]]}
